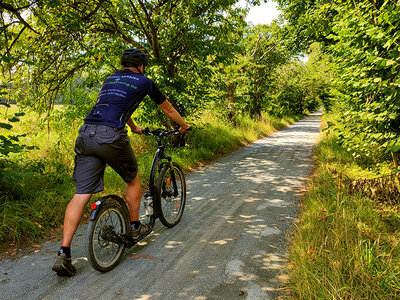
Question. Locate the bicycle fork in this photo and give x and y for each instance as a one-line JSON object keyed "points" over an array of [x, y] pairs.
{"points": [[173, 178], [148, 204]]}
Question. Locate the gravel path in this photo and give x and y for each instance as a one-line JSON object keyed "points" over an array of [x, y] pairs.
{"points": [[230, 243]]}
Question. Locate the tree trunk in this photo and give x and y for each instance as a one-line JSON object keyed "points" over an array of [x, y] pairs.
{"points": [[177, 140], [230, 105], [395, 161]]}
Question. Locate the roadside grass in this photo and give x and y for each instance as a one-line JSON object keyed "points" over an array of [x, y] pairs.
{"points": [[36, 186], [345, 246]]}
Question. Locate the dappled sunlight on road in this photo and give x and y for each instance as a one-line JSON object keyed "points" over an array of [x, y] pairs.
{"points": [[255, 194], [232, 239], [231, 242]]}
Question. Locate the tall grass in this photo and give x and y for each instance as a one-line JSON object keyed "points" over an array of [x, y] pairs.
{"points": [[345, 246], [36, 186]]}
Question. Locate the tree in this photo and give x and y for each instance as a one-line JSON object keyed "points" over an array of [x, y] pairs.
{"points": [[308, 21], [366, 49], [61, 38], [362, 40], [251, 76]]}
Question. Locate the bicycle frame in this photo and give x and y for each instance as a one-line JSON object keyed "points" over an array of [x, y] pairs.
{"points": [[157, 162], [109, 229], [156, 165]]}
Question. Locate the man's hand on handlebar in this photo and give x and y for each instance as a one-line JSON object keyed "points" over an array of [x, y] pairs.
{"points": [[138, 130], [133, 127], [185, 130], [163, 132]]}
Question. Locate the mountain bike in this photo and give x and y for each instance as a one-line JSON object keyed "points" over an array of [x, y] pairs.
{"points": [[108, 233]]}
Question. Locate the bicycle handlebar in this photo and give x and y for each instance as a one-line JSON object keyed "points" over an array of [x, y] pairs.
{"points": [[159, 132]]}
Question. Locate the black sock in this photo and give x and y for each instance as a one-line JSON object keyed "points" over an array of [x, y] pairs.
{"points": [[135, 224], [66, 250]]}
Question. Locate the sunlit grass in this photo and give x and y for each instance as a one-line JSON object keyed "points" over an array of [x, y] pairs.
{"points": [[345, 246]]}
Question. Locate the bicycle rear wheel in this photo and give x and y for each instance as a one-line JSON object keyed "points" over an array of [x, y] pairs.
{"points": [[170, 204], [104, 251]]}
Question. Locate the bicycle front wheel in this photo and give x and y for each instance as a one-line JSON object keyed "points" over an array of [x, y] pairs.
{"points": [[104, 251], [171, 197]]}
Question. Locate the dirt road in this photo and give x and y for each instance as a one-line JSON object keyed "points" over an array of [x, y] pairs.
{"points": [[230, 243]]}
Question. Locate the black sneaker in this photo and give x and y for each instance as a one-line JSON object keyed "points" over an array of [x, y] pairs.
{"points": [[142, 231], [63, 265]]}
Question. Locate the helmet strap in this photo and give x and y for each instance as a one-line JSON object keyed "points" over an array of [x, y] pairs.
{"points": [[137, 69]]}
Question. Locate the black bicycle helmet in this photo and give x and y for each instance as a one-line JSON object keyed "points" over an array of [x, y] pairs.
{"points": [[133, 57]]}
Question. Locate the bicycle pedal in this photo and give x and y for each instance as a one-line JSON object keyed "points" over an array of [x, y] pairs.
{"points": [[127, 238]]}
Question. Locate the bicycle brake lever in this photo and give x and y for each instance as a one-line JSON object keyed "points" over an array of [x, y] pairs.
{"points": [[186, 130], [146, 131]]}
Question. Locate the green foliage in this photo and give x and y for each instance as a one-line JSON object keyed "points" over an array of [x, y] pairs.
{"points": [[367, 53], [190, 43], [265, 79], [362, 39], [249, 80], [299, 89], [263, 55], [308, 21], [78, 100], [27, 211], [9, 141]]}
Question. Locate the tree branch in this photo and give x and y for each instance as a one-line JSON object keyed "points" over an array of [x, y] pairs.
{"points": [[154, 41], [15, 12], [264, 54], [140, 22], [85, 18], [16, 38], [256, 49], [69, 74]]}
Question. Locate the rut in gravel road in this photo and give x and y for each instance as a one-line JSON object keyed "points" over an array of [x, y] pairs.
{"points": [[230, 244]]}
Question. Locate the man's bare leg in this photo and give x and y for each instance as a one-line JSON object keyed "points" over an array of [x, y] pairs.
{"points": [[133, 196], [73, 215]]}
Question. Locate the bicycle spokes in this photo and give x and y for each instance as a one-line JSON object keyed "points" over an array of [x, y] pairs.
{"points": [[172, 195], [105, 243]]}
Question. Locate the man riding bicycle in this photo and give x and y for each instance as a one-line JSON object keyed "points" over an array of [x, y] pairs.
{"points": [[103, 140]]}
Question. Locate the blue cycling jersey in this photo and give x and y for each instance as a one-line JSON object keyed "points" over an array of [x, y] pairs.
{"points": [[120, 96]]}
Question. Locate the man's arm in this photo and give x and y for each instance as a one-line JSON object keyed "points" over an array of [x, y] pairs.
{"points": [[171, 112], [133, 126]]}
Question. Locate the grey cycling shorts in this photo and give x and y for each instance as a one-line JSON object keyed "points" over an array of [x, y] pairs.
{"points": [[95, 147]]}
